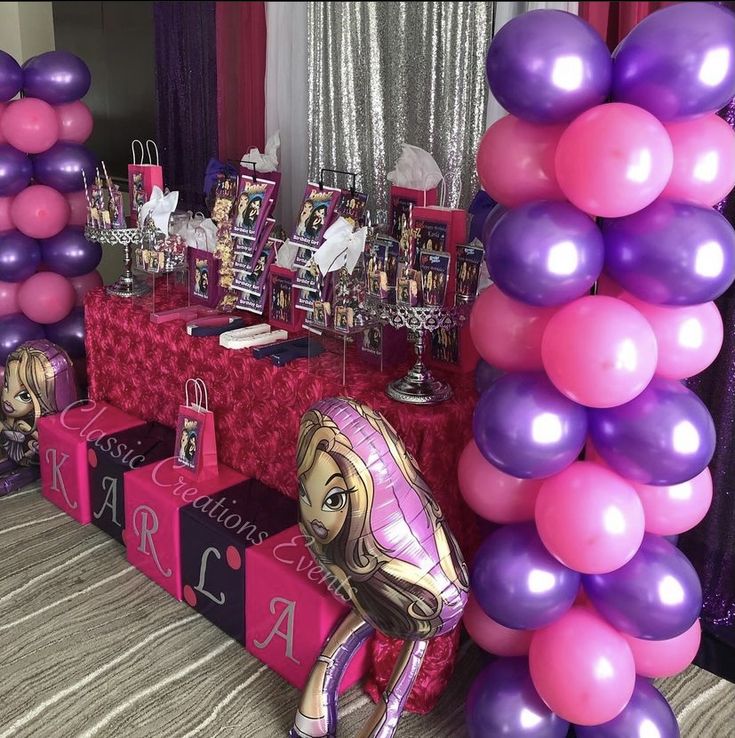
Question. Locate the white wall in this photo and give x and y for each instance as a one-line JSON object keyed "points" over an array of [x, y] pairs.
{"points": [[26, 29]]}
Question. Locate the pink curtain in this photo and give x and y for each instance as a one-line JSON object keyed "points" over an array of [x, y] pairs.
{"points": [[614, 20], [241, 35]]}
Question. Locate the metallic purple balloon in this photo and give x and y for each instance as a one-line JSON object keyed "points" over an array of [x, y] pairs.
{"points": [[548, 66], [503, 702], [655, 596], [648, 715], [485, 375], [16, 170], [527, 428], [545, 253], [678, 62], [56, 77], [69, 333], [663, 436], [61, 166], [14, 330], [69, 253], [671, 253], [491, 221], [518, 583], [20, 256], [11, 77]]}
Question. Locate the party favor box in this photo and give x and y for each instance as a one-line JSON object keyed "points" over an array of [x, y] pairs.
{"points": [[154, 495], [291, 610], [441, 229], [114, 455], [215, 535], [67, 443]]}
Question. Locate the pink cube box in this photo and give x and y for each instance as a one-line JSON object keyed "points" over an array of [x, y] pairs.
{"points": [[290, 611], [153, 496], [66, 443]]}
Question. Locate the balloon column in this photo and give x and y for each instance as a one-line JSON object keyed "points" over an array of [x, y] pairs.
{"points": [[587, 447], [46, 264]]}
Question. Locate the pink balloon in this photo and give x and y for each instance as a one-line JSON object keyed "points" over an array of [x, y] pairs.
{"points": [[704, 160], [688, 338], [665, 658], [9, 298], [613, 160], [515, 161], [39, 211], [46, 297], [2, 110], [491, 493], [30, 125], [582, 668], [85, 283], [599, 351], [77, 207], [675, 508], [6, 222], [589, 518], [494, 637], [507, 333], [75, 122]]}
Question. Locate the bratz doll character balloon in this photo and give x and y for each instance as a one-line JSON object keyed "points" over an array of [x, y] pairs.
{"points": [[373, 526], [39, 380]]}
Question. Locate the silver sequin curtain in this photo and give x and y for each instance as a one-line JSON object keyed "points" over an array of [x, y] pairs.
{"points": [[381, 73]]}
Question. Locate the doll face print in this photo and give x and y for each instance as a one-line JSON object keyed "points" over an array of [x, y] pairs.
{"points": [[306, 211], [323, 498], [16, 399]]}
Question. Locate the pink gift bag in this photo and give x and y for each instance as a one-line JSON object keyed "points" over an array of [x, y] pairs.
{"points": [[196, 449], [143, 175]]}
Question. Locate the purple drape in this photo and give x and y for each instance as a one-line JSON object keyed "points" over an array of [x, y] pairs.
{"points": [[711, 545], [186, 90]]}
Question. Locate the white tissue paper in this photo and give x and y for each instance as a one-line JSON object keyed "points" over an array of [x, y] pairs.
{"points": [[159, 207], [205, 235], [341, 248], [286, 254], [266, 161], [415, 169]]}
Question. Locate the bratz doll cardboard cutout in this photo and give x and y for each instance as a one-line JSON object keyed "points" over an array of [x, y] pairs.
{"points": [[373, 526], [39, 380]]}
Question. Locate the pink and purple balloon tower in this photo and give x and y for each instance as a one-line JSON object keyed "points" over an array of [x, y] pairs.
{"points": [[589, 451], [46, 264]]}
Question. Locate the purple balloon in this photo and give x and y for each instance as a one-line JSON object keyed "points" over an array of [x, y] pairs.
{"points": [[647, 715], [69, 333], [14, 330], [485, 375], [501, 701], [655, 596], [548, 66], [480, 207], [16, 170], [545, 253], [663, 436], [70, 254], [518, 583], [56, 77], [11, 77], [526, 427], [678, 62], [20, 256], [671, 253], [61, 166], [491, 221]]}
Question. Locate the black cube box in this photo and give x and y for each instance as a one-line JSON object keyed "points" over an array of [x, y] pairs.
{"points": [[215, 533], [114, 455]]}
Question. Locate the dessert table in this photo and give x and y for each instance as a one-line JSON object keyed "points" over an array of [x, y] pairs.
{"points": [[140, 367]]}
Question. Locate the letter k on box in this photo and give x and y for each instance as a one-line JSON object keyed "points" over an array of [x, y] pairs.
{"points": [[65, 442]]}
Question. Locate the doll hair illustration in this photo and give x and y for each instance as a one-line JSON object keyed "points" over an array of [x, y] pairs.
{"points": [[315, 222], [397, 596]]}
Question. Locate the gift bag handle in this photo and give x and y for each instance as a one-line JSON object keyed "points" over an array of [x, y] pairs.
{"points": [[201, 397], [133, 149], [443, 192], [150, 143]]}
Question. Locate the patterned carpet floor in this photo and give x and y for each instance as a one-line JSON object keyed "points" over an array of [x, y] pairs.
{"points": [[90, 647]]}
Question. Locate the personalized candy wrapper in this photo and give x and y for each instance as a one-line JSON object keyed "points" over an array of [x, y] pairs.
{"points": [[252, 206], [352, 206], [434, 276], [469, 261], [315, 215]]}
